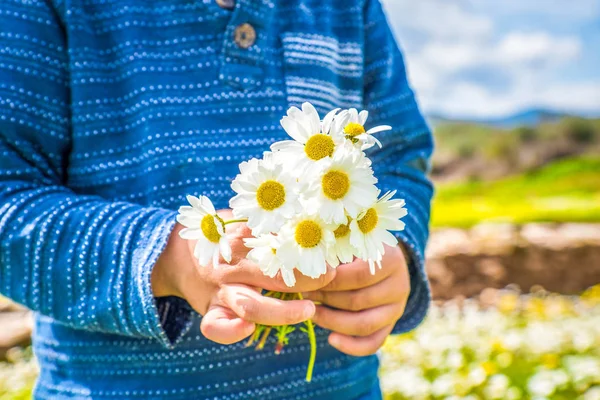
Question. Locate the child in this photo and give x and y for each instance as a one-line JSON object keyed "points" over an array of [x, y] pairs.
{"points": [[111, 111]]}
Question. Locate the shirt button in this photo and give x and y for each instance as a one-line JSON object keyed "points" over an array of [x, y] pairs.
{"points": [[226, 4], [244, 35]]}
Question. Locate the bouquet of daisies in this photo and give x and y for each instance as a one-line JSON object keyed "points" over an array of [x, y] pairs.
{"points": [[310, 202]]}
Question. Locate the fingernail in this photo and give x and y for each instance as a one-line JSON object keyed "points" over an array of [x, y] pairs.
{"points": [[309, 310]]}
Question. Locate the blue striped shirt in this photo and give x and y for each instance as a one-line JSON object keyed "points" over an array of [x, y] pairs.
{"points": [[111, 111]]}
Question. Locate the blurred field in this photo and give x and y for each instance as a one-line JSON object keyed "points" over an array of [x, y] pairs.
{"points": [[548, 173], [563, 191], [536, 346], [17, 375]]}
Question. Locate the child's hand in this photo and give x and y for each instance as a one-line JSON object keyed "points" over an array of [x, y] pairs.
{"points": [[229, 295], [361, 309]]}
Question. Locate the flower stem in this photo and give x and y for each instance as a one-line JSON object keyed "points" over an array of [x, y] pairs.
{"points": [[263, 339], [313, 346], [233, 221]]}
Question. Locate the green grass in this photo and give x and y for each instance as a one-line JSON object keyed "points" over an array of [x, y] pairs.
{"points": [[563, 191]]}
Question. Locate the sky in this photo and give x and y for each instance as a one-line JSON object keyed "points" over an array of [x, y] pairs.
{"points": [[493, 58]]}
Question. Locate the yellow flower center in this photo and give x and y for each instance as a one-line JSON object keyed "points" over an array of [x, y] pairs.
{"points": [[369, 221], [489, 367], [342, 230], [308, 234], [209, 228], [550, 360], [335, 184], [319, 146], [354, 129], [274, 251], [270, 195]]}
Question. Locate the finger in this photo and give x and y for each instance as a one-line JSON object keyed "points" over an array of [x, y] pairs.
{"points": [[248, 273], [389, 291], [361, 323], [221, 325], [251, 306], [356, 275], [360, 346]]}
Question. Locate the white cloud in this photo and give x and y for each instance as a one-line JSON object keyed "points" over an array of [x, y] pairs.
{"points": [[527, 48], [438, 18], [578, 9], [461, 63], [471, 100]]}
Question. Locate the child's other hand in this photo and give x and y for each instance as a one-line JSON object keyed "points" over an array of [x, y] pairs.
{"points": [[229, 295], [361, 309]]}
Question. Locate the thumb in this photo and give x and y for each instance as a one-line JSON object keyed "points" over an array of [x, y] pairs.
{"points": [[221, 325]]}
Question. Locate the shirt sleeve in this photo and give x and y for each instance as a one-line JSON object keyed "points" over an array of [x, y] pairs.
{"points": [[80, 259], [403, 161]]}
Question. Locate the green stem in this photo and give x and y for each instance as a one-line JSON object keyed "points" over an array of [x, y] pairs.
{"points": [[263, 339], [233, 221], [313, 346]]}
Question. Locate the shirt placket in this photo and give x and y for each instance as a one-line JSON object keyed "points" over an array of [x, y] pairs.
{"points": [[246, 38]]}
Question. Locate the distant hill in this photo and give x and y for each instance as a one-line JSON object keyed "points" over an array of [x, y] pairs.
{"points": [[531, 117], [476, 150]]}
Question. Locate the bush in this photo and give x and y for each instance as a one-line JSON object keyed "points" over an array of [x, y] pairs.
{"points": [[580, 130], [527, 134]]}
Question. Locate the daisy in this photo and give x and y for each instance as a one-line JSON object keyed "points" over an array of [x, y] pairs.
{"points": [[204, 225], [312, 140], [266, 195], [342, 250], [306, 242], [342, 185], [264, 254], [370, 231], [351, 126]]}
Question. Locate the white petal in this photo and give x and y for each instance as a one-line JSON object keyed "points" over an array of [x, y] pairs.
{"points": [[225, 249], [388, 195], [379, 128], [302, 120], [203, 252], [194, 201], [191, 234], [287, 146], [313, 118], [389, 239], [207, 205], [346, 253], [220, 227], [294, 112], [332, 258], [294, 129], [288, 277], [189, 222], [241, 185], [373, 139], [353, 115], [362, 117], [339, 217], [328, 120], [339, 122], [189, 211]]}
